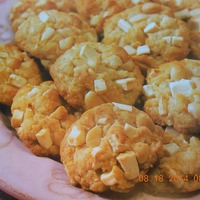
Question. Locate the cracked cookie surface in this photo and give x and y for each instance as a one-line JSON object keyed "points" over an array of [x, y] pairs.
{"points": [[41, 118], [110, 146], [173, 95], [16, 70], [92, 73]]}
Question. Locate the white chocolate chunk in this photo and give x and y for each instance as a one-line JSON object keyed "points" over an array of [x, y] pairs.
{"points": [[103, 120], [151, 28], [194, 109], [4, 54], [66, 43], [93, 137], [17, 117], [178, 2], [109, 178], [162, 106], [95, 19], [100, 85], [41, 2], [142, 152], [90, 54], [171, 148], [194, 23], [34, 91], [96, 150], [143, 50], [148, 91], [196, 98], [177, 41], [43, 16], [127, 83], [136, 1], [130, 131], [129, 164], [48, 33], [124, 25], [123, 106], [176, 74], [106, 13], [196, 81], [91, 100], [194, 141], [138, 18], [195, 12], [182, 14], [174, 40], [114, 61], [167, 39], [116, 145], [48, 92], [170, 130], [44, 138], [17, 81], [182, 86], [130, 50], [76, 136], [65, 32]]}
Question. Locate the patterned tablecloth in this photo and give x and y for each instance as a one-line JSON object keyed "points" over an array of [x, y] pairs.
{"points": [[26, 176]]}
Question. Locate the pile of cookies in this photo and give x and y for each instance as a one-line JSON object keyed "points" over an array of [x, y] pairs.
{"points": [[111, 87]]}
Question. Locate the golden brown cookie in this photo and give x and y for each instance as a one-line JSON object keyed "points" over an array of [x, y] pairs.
{"points": [[150, 37], [23, 9], [97, 11], [41, 118], [93, 73], [178, 171], [110, 146], [50, 33], [183, 9], [173, 95], [16, 70]]}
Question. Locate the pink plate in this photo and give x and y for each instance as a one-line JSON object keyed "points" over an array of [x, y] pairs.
{"points": [[26, 176]]}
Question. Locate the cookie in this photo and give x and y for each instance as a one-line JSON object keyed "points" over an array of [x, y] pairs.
{"points": [[41, 118], [16, 70], [23, 9], [110, 146], [149, 35], [93, 73], [97, 11], [50, 33], [173, 95], [183, 9], [173, 175]]}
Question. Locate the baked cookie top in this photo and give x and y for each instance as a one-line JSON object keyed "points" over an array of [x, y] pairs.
{"points": [[150, 37], [41, 118], [183, 9], [16, 70], [97, 11], [50, 33], [110, 146], [23, 9], [93, 73], [173, 95], [178, 171]]}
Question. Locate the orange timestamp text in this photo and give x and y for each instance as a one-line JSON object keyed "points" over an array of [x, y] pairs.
{"points": [[170, 179]]}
